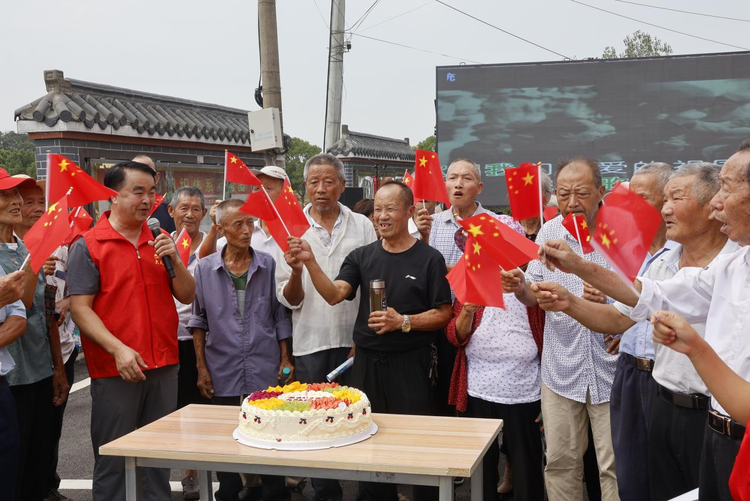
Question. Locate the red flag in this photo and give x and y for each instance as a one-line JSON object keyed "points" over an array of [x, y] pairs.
{"points": [[235, 171], [258, 204], [739, 480], [506, 246], [580, 231], [79, 221], [64, 175], [625, 227], [550, 213], [47, 234], [158, 200], [183, 243], [408, 179], [524, 191], [476, 276], [428, 178], [291, 212]]}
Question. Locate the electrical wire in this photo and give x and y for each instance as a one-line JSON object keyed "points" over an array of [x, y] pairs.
{"points": [[402, 14], [321, 14], [359, 21], [413, 48], [658, 26], [685, 11], [504, 31]]}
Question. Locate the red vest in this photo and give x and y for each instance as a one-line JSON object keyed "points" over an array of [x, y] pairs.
{"points": [[134, 300]]}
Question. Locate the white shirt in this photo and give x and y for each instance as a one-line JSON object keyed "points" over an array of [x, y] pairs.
{"points": [[326, 238], [258, 241], [413, 230], [185, 310], [59, 280], [317, 325], [502, 357], [717, 296]]}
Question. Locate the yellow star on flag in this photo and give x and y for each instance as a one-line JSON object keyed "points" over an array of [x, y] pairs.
{"points": [[64, 165], [605, 240], [185, 243], [423, 162], [475, 230], [233, 160], [527, 179], [584, 225], [477, 247], [52, 208], [407, 181]]}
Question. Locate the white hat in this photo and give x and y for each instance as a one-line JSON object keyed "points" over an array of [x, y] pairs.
{"points": [[270, 171]]}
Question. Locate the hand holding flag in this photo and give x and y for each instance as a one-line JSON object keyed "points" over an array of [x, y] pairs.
{"points": [[428, 178], [65, 178]]}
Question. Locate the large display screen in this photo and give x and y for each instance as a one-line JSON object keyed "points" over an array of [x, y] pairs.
{"points": [[622, 113]]}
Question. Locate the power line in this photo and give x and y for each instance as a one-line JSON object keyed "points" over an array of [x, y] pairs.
{"points": [[321, 14], [504, 31], [364, 16], [685, 11], [402, 14], [658, 26], [413, 48]]}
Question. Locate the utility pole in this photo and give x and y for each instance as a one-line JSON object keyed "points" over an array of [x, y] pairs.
{"points": [[335, 74], [269, 67]]}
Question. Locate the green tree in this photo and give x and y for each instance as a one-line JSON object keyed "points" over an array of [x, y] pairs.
{"points": [[639, 44], [298, 154], [17, 154], [428, 144], [14, 141]]}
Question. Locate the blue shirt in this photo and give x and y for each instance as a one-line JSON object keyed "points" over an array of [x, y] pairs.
{"points": [[242, 351], [6, 361]]}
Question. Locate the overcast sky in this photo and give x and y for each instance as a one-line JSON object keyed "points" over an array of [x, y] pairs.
{"points": [[208, 50]]}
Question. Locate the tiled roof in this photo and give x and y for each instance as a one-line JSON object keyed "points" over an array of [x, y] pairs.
{"points": [[106, 108], [358, 144]]}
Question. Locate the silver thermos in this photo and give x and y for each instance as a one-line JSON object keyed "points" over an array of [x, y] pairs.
{"points": [[377, 295]]}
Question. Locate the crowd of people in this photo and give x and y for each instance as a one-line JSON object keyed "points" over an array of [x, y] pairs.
{"points": [[570, 364]]}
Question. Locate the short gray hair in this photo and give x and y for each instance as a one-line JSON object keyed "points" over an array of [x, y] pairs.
{"points": [[546, 186], [707, 177], [224, 206], [661, 170], [469, 161], [325, 159], [188, 191]]}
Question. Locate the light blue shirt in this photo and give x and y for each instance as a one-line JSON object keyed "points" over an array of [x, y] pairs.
{"points": [[18, 309]]}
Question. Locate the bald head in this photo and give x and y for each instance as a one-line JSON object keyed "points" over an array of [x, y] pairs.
{"points": [[146, 160]]}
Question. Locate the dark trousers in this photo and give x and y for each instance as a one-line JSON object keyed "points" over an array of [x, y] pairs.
{"points": [[230, 484], [591, 470], [629, 404], [523, 442], [675, 443], [187, 377], [34, 410], [396, 382], [53, 481], [717, 461], [446, 354], [314, 368], [118, 408], [9, 442]]}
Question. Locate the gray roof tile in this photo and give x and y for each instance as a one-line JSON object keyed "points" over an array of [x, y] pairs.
{"points": [[358, 144]]}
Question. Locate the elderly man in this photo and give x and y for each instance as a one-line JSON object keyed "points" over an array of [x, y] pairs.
{"points": [[674, 433], [394, 360], [577, 370], [335, 231], [122, 300], [248, 348]]}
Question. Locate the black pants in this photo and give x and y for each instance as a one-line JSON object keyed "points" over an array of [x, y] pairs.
{"points": [[9, 443], [523, 442], [675, 443], [187, 377], [53, 481], [717, 461], [230, 484], [591, 470], [34, 410], [446, 359], [396, 382]]}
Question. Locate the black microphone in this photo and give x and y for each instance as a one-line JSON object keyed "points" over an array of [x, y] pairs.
{"points": [[155, 227]]}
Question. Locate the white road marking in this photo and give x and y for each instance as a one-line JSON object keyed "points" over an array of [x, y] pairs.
{"points": [[85, 485], [80, 385]]}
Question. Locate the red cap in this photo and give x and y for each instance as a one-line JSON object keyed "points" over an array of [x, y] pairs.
{"points": [[7, 181]]}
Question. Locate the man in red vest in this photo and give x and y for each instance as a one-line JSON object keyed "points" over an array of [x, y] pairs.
{"points": [[121, 299]]}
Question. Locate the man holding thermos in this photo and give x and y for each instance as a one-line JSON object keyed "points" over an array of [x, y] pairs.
{"points": [[394, 361]]}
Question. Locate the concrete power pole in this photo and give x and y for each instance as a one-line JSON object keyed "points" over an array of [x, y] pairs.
{"points": [[335, 74], [269, 67]]}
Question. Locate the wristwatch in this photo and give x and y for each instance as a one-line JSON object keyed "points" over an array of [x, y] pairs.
{"points": [[406, 326]]}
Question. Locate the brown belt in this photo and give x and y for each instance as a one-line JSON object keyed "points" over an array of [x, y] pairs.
{"points": [[724, 425], [692, 401], [640, 364]]}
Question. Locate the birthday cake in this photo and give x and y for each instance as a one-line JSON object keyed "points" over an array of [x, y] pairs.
{"points": [[307, 414]]}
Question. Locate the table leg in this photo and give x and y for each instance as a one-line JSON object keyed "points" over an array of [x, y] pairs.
{"points": [[446, 489], [132, 481], [205, 485], [477, 483]]}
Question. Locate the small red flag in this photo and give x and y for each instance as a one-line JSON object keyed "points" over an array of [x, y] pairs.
{"points": [[47, 234], [183, 243], [158, 200], [428, 178], [408, 179], [235, 171], [507, 247], [291, 212], [739, 480], [551, 212], [475, 277], [258, 204], [625, 227], [524, 191], [64, 176], [578, 227], [79, 221]]}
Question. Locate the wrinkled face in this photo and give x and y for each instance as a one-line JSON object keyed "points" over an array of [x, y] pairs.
{"points": [[577, 192], [391, 213], [10, 207], [272, 185], [732, 202], [134, 200], [33, 204], [463, 184], [324, 187], [237, 227], [647, 187], [685, 217], [188, 214]]}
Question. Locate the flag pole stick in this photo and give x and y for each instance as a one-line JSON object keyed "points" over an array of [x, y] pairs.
{"points": [[276, 211], [224, 193], [25, 261], [541, 200], [46, 185]]}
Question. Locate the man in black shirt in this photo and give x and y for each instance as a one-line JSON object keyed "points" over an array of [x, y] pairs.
{"points": [[393, 347]]}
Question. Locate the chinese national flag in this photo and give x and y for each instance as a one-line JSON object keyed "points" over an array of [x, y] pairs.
{"points": [[48, 233], [408, 179], [625, 227], [550, 212], [428, 183], [183, 246], [235, 171], [158, 200], [581, 233], [64, 175], [291, 211], [524, 191], [476, 277], [259, 205], [79, 221], [507, 247]]}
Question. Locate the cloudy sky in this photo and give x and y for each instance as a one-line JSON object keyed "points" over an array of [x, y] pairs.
{"points": [[208, 51]]}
